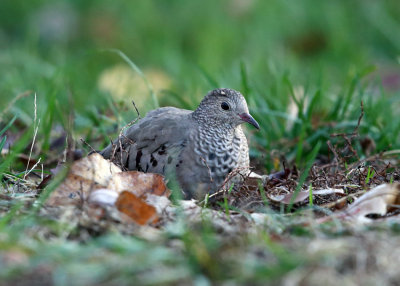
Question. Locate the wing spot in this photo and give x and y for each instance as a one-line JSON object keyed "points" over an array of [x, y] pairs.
{"points": [[162, 150], [138, 157], [127, 160], [211, 156]]}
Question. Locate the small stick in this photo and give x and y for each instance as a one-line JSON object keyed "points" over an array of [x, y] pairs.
{"points": [[34, 136]]}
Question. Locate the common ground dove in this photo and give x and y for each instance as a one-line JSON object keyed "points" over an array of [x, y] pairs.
{"points": [[197, 148]]}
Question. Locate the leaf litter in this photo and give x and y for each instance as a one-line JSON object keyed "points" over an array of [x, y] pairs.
{"points": [[144, 197]]}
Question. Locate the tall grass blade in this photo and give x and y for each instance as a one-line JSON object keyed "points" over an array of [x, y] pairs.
{"points": [[310, 162], [8, 125], [3, 141]]}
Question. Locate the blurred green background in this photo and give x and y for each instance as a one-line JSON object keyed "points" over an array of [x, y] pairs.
{"points": [[304, 66]]}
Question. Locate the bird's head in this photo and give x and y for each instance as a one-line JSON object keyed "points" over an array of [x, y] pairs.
{"points": [[225, 106]]}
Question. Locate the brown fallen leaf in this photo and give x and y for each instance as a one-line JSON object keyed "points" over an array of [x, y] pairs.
{"points": [[139, 183], [103, 185], [136, 208], [94, 172]]}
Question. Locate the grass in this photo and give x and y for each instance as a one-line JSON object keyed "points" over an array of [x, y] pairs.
{"points": [[304, 175], [304, 68], [3, 141]]}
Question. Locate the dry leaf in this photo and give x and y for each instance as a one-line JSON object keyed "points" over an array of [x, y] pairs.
{"points": [[85, 175], [94, 173], [137, 209], [379, 200], [102, 183], [139, 183]]}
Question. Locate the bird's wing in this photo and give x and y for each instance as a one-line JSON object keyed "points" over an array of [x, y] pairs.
{"points": [[152, 143]]}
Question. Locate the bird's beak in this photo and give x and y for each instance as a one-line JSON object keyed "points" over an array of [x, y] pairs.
{"points": [[249, 119]]}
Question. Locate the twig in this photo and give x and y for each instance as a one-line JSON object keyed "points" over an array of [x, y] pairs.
{"points": [[122, 135], [209, 170], [87, 144], [230, 176], [137, 111], [355, 131], [34, 166], [34, 137], [348, 137]]}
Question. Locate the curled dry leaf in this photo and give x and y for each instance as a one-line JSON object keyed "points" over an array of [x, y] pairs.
{"points": [[302, 195], [380, 200]]}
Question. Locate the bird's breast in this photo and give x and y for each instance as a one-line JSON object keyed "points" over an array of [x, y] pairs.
{"points": [[219, 152]]}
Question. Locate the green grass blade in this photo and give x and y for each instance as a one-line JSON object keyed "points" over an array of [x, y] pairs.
{"points": [[314, 101], [299, 103], [17, 148], [8, 125], [310, 162], [299, 151], [3, 141], [310, 197]]}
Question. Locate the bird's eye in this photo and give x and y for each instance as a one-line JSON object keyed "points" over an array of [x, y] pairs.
{"points": [[225, 106]]}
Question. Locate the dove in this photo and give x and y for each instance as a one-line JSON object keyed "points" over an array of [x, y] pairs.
{"points": [[197, 149]]}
